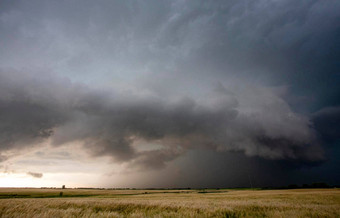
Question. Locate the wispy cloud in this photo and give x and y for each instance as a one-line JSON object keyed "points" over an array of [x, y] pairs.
{"points": [[35, 175]]}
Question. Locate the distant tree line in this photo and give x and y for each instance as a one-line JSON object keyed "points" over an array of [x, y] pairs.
{"points": [[295, 186], [203, 190]]}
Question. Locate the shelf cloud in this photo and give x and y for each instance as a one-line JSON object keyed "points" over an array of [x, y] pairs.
{"points": [[255, 121]]}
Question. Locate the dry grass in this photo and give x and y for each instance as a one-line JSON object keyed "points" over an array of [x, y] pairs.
{"points": [[160, 203]]}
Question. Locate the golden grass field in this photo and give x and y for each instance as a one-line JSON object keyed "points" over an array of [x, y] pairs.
{"points": [[169, 203]]}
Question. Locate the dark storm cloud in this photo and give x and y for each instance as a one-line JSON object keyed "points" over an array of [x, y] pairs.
{"points": [[155, 159], [35, 175], [234, 169], [108, 123], [327, 123], [171, 52], [278, 42]]}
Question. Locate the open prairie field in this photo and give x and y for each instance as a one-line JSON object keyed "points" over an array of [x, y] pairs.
{"points": [[169, 203]]}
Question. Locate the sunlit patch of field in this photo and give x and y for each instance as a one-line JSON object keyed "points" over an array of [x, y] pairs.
{"points": [[169, 203]]}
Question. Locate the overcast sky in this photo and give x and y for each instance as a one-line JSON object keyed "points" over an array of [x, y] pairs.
{"points": [[169, 93]]}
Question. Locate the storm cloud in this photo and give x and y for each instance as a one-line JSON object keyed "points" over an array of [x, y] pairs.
{"points": [[255, 121], [327, 122], [147, 83]]}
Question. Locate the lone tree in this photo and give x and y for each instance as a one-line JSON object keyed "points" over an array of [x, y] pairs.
{"points": [[63, 187]]}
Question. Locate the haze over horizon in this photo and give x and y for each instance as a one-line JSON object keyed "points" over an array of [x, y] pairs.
{"points": [[169, 93]]}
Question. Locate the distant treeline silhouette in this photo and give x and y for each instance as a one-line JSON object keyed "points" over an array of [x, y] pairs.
{"points": [[291, 186], [313, 185]]}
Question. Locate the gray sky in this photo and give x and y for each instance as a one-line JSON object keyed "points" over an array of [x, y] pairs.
{"points": [[169, 93]]}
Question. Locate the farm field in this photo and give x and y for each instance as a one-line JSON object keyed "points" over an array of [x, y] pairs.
{"points": [[169, 203]]}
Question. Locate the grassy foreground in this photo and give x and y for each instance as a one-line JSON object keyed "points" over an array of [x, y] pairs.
{"points": [[169, 203]]}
